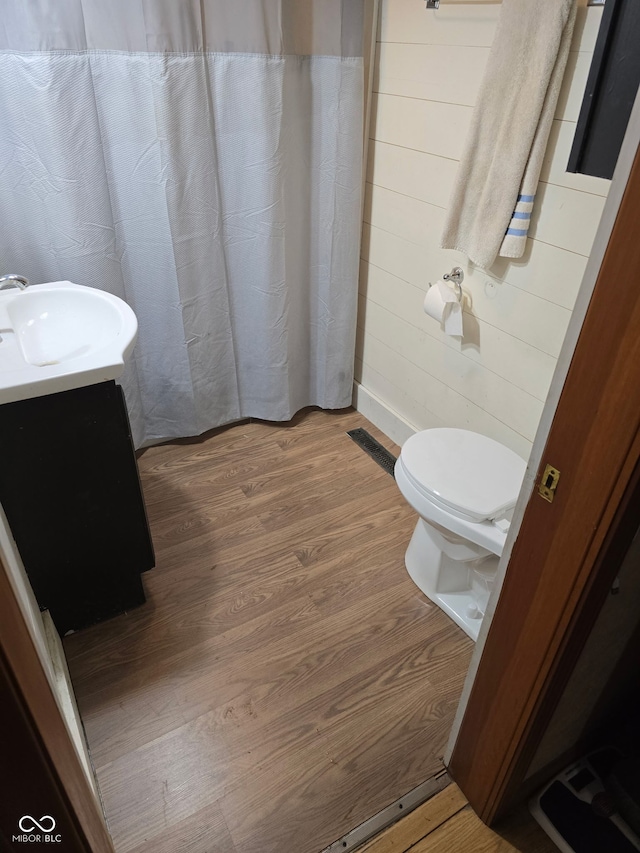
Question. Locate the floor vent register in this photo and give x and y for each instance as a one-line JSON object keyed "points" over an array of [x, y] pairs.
{"points": [[375, 450]]}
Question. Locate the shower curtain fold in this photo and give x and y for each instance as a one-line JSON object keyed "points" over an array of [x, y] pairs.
{"points": [[217, 191]]}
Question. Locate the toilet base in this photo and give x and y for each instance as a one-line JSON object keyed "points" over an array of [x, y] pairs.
{"points": [[460, 588]]}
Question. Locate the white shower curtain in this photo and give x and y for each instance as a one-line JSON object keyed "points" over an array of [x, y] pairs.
{"points": [[200, 159]]}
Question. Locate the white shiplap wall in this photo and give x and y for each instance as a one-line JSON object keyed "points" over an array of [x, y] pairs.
{"points": [[409, 375]]}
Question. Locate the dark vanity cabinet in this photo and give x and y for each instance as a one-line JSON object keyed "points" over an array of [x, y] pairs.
{"points": [[70, 488]]}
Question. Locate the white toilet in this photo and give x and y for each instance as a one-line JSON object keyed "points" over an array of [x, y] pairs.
{"points": [[464, 486]]}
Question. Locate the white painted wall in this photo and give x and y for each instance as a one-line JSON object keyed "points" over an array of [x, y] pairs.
{"points": [[409, 375]]}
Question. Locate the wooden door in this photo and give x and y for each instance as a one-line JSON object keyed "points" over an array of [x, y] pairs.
{"points": [[567, 552]]}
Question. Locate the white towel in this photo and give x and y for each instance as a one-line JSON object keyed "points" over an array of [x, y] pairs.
{"points": [[495, 188]]}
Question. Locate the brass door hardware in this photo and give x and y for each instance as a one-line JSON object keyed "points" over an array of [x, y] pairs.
{"points": [[549, 483]]}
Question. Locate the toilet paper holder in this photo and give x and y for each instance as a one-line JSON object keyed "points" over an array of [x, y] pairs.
{"points": [[457, 277]]}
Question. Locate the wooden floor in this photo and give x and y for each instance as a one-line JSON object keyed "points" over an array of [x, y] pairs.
{"points": [[446, 824], [285, 679]]}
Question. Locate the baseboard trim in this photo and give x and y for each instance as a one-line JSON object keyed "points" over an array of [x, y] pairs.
{"points": [[393, 425]]}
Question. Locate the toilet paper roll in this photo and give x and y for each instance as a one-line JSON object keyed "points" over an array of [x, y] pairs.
{"points": [[442, 304]]}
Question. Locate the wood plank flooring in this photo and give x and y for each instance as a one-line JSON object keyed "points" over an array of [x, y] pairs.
{"points": [[285, 679], [447, 824]]}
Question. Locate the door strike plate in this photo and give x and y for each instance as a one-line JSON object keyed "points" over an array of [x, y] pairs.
{"points": [[549, 483]]}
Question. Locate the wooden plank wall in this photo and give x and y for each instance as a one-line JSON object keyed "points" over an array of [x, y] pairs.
{"points": [[411, 376]]}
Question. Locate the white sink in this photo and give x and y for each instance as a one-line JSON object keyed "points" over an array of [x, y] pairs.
{"points": [[59, 336]]}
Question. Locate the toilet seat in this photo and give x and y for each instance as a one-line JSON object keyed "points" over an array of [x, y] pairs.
{"points": [[468, 475]]}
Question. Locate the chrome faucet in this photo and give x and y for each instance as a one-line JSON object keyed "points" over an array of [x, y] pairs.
{"points": [[13, 280]]}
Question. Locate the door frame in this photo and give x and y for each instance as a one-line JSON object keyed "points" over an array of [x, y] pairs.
{"points": [[39, 757], [561, 558]]}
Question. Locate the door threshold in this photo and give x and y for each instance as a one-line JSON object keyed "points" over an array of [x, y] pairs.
{"points": [[389, 815]]}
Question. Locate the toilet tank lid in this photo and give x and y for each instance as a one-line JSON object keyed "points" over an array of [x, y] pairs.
{"points": [[465, 470]]}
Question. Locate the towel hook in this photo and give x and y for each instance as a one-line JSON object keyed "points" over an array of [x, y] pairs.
{"points": [[457, 277]]}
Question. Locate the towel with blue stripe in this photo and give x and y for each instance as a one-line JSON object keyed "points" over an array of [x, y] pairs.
{"points": [[519, 226], [503, 156]]}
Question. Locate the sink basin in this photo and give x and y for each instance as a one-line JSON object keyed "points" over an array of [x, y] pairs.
{"points": [[58, 336]]}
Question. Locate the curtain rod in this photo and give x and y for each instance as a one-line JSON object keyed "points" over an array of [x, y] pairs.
{"points": [[435, 4]]}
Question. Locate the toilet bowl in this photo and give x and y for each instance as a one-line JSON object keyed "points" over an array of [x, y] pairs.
{"points": [[464, 487]]}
